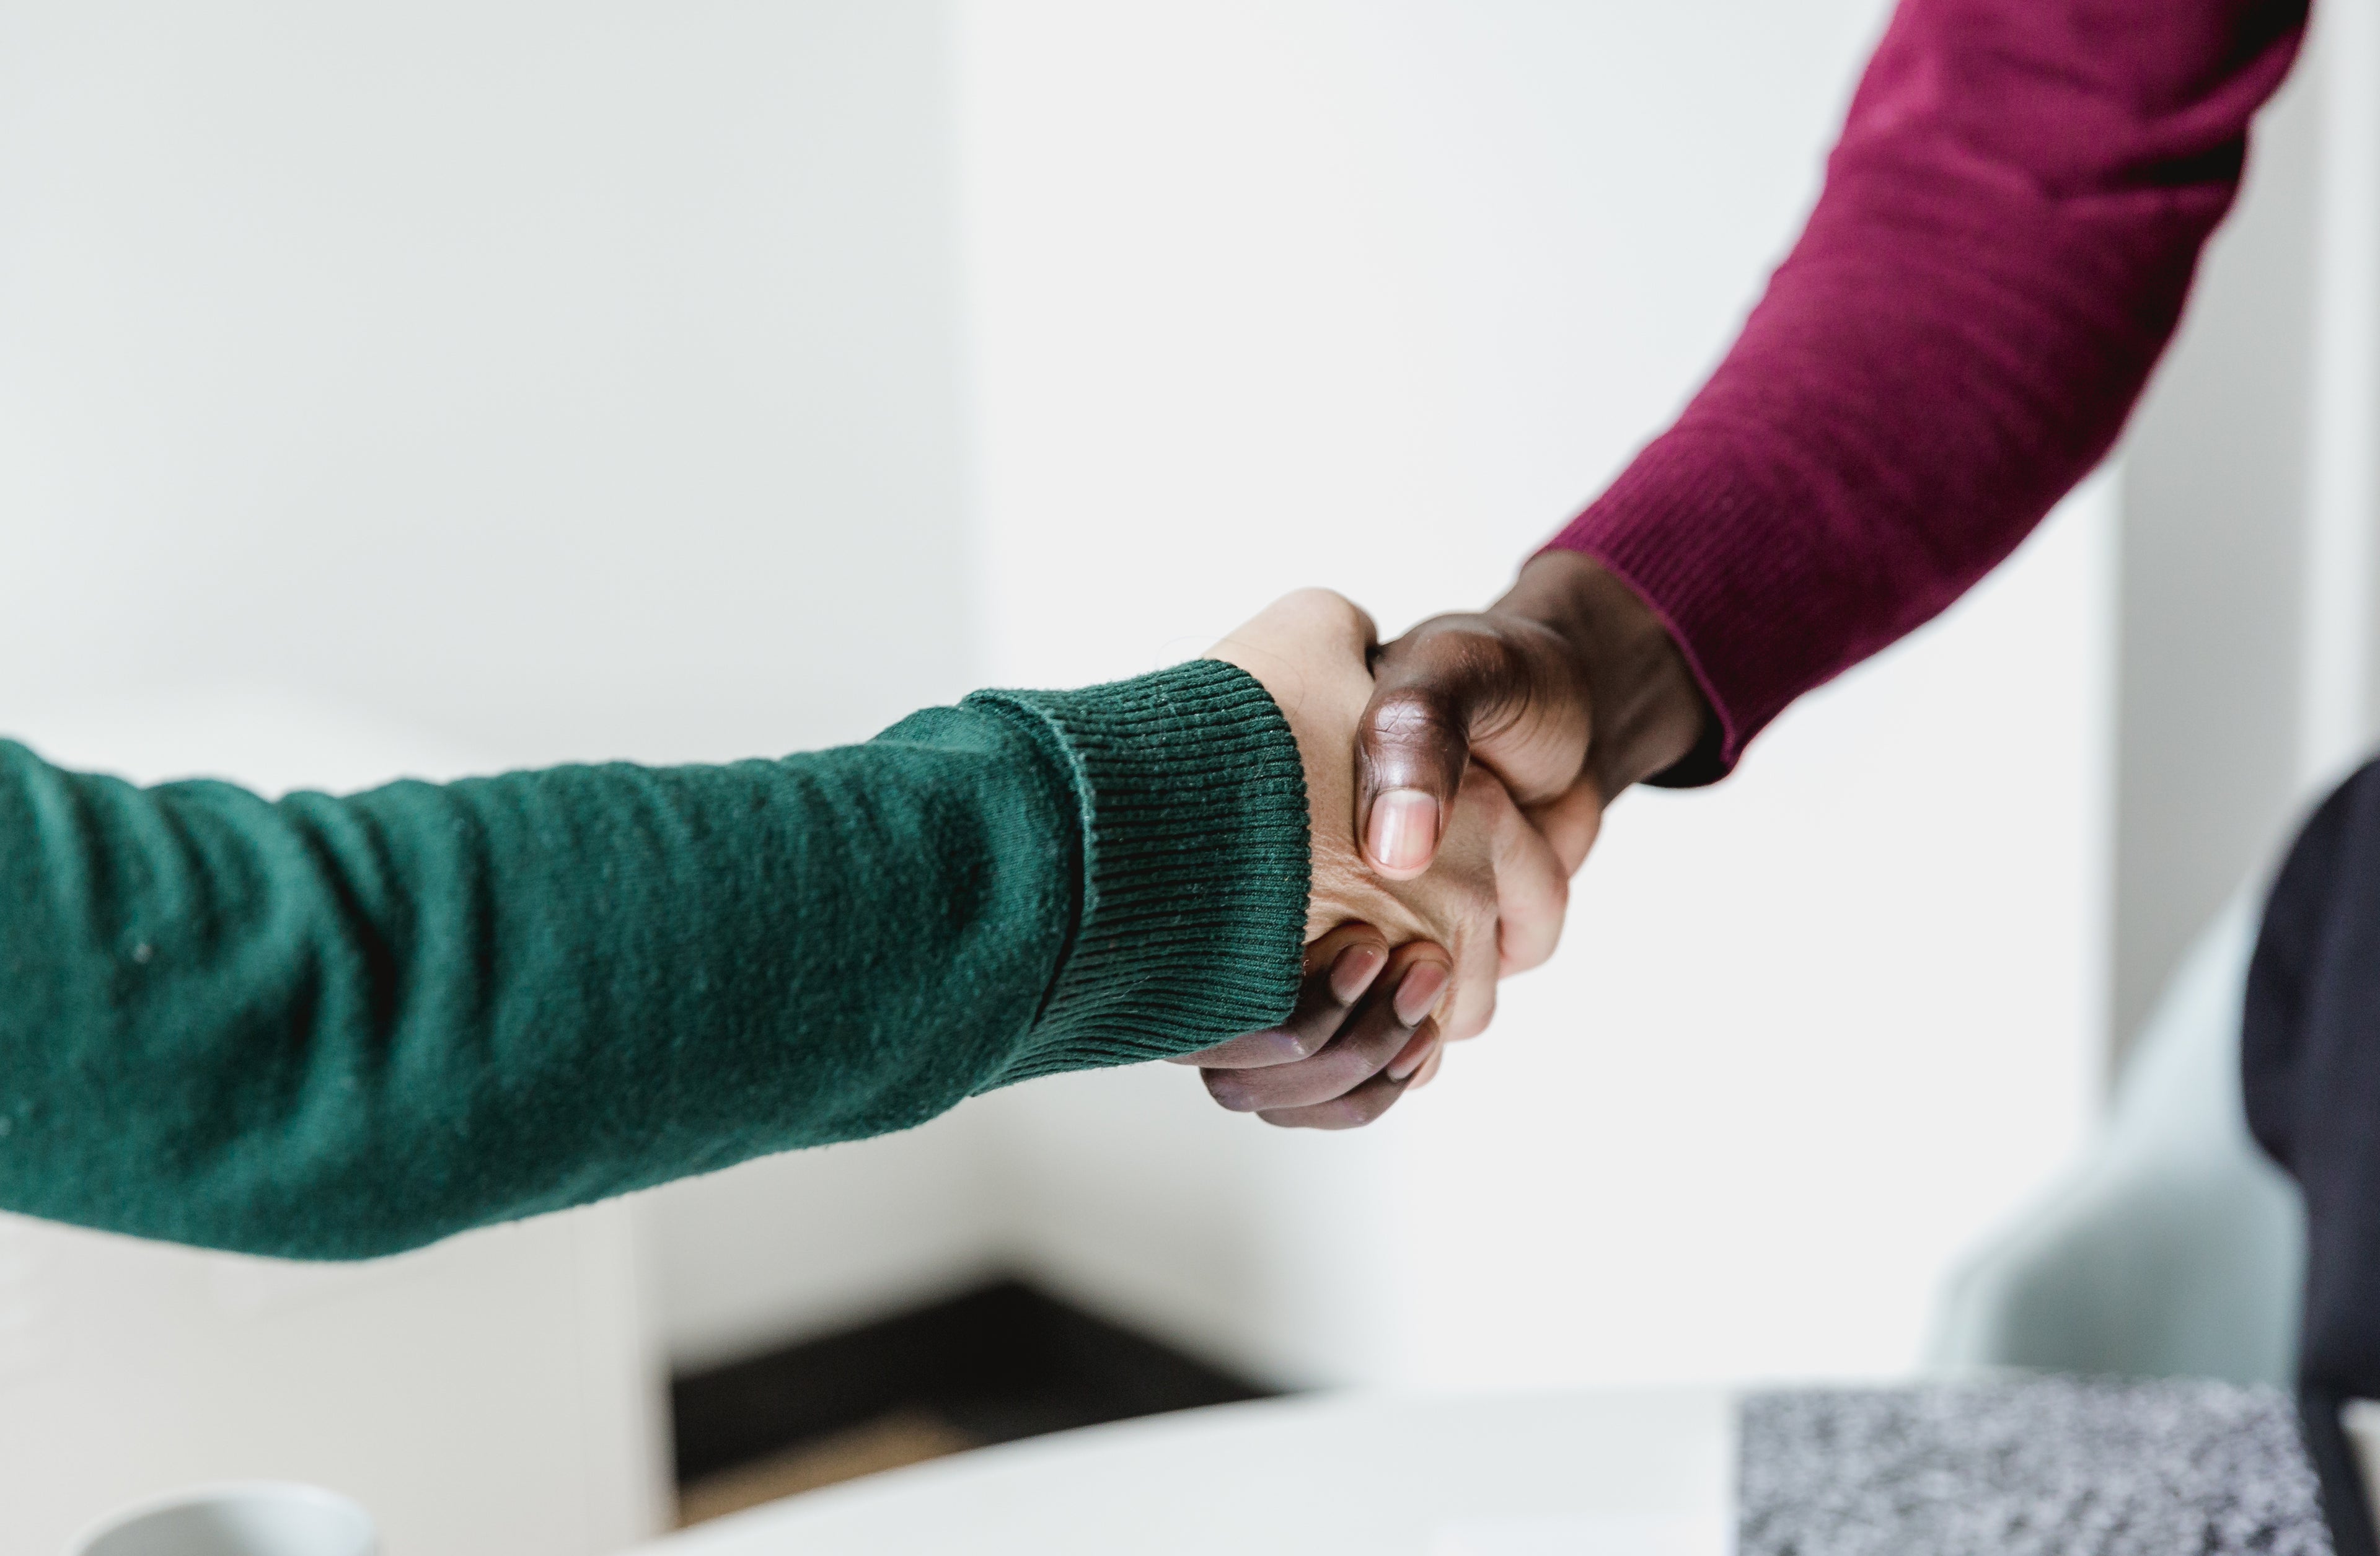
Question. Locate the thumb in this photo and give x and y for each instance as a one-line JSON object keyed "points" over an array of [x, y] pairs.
{"points": [[1413, 748], [1450, 690]]}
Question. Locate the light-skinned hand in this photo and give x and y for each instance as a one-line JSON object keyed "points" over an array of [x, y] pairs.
{"points": [[1395, 966]]}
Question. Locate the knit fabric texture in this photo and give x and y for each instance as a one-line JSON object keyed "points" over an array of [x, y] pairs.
{"points": [[338, 1028], [2034, 1467], [2009, 224]]}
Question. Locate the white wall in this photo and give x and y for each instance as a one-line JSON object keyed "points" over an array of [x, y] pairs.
{"points": [[577, 380], [2339, 688], [1264, 295], [2251, 572], [468, 386], [550, 382], [2214, 569]]}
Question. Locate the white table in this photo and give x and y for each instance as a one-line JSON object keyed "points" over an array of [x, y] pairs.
{"points": [[1317, 1475]]}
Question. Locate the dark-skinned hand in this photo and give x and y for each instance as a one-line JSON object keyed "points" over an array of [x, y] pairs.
{"points": [[1362, 1036], [1495, 891], [1567, 690]]}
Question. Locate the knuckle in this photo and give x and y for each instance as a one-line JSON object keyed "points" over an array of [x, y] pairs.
{"points": [[1521, 954], [1471, 1022], [1533, 931], [1334, 610], [1411, 717], [1301, 1044]]}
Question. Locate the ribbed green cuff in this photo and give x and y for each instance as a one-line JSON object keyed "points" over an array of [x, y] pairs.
{"points": [[1195, 866]]}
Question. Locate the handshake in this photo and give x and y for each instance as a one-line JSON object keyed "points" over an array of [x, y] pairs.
{"points": [[1455, 781]]}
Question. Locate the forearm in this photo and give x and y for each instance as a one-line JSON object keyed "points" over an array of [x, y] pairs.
{"points": [[2006, 235], [335, 1027]]}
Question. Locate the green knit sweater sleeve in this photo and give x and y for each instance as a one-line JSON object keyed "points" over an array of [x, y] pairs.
{"points": [[337, 1027]]}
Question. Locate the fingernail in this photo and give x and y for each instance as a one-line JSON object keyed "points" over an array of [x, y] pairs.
{"points": [[1409, 1058], [1418, 992], [1229, 1092], [1405, 829], [1353, 971]]}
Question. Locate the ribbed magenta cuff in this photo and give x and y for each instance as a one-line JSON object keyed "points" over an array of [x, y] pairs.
{"points": [[1696, 537], [1195, 866]]}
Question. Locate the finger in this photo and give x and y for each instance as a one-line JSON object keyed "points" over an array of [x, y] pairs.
{"points": [[1572, 823], [1532, 892], [1413, 743], [1506, 694], [1358, 1108], [1415, 1053], [1409, 1069], [1305, 639], [1375, 1038], [1341, 966], [1469, 1004], [1379, 1031]]}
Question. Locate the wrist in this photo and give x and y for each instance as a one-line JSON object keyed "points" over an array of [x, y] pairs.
{"points": [[1193, 815], [1649, 713]]}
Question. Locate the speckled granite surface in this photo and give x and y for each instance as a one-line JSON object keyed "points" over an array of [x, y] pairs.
{"points": [[2038, 1466]]}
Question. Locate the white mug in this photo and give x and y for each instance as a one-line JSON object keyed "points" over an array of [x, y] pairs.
{"points": [[252, 1518]]}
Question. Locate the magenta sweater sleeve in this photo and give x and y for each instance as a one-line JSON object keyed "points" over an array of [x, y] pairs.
{"points": [[2010, 223]]}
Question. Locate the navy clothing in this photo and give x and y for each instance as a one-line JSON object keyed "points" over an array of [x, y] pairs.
{"points": [[2310, 1051]]}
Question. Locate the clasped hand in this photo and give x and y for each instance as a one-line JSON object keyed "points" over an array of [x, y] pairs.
{"points": [[1455, 780], [1454, 887]]}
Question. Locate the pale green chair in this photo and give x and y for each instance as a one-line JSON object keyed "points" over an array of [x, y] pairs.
{"points": [[2176, 1248]]}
